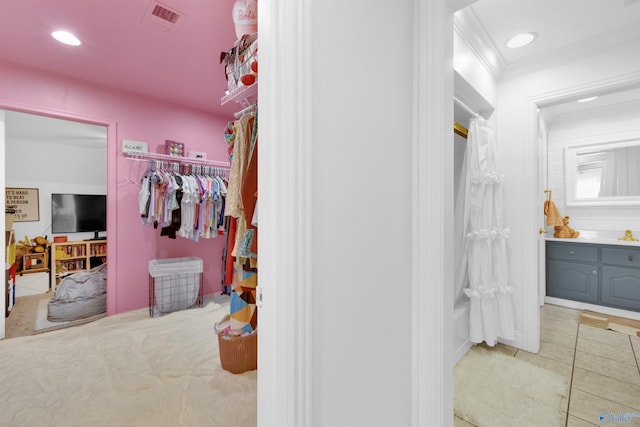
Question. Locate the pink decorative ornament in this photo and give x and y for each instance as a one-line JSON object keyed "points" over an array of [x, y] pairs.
{"points": [[245, 17]]}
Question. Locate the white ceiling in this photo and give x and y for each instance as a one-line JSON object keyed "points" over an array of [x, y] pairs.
{"points": [[563, 26], [565, 29]]}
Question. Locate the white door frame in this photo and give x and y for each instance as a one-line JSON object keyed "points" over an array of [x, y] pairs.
{"points": [[284, 374], [6, 104], [541, 99], [2, 225]]}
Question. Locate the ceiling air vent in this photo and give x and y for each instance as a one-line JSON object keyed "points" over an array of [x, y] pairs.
{"points": [[160, 17], [165, 14]]}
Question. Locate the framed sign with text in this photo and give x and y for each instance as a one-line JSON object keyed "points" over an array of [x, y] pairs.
{"points": [[25, 201]]}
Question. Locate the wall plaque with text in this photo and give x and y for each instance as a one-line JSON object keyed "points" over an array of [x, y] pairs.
{"points": [[25, 201]]}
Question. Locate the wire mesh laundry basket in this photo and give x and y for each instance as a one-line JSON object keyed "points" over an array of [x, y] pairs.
{"points": [[174, 284]]}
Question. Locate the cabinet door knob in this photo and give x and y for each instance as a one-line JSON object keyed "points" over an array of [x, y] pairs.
{"points": [[572, 252], [630, 257], [594, 272]]}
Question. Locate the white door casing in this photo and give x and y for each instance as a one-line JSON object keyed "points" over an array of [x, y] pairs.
{"points": [[291, 385]]}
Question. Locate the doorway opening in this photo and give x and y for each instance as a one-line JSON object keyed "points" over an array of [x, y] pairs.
{"points": [[46, 156]]}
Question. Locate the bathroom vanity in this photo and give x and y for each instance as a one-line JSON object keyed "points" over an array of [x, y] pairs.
{"points": [[595, 273]]}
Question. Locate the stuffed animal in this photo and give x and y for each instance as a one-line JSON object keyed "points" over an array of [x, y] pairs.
{"points": [[564, 231], [41, 244], [60, 253]]}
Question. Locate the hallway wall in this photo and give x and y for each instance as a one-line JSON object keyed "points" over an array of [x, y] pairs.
{"points": [[131, 245]]}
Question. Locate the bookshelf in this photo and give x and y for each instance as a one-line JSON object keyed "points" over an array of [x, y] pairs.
{"points": [[71, 257]]}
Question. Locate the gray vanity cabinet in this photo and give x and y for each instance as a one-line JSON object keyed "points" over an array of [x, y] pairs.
{"points": [[597, 274], [621, 277], [572, 272]]}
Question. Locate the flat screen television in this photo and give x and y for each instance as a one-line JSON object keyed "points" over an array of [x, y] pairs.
{"points": [[78, 213]]}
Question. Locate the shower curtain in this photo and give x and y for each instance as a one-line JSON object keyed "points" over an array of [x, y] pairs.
{"points": [[483, 266]]}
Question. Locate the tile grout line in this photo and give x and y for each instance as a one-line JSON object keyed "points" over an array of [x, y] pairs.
{"points": [[635, 355], [573, 367]]}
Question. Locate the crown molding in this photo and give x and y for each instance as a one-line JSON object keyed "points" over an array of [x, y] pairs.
{"points": [[467, 25]]}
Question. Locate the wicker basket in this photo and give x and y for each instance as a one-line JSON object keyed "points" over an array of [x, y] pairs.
{"points": [[238, 354]]}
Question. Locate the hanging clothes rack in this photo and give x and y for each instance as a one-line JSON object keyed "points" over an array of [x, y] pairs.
{"points": [[245, 110], [158, 161]]}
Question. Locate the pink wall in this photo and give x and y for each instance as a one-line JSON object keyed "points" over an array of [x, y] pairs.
{"points": [[130, 244]]}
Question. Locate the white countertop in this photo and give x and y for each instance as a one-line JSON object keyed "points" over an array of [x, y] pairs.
{"points": [[598, 237]]}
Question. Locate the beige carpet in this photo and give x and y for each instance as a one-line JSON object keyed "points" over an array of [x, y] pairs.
{"points": [[604, 321], [492, 389], [126, 370], [22, 320]]}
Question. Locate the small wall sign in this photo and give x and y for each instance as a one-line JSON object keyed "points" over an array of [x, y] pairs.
{"points": [[197, 155], [26, 203], [130, 146]]}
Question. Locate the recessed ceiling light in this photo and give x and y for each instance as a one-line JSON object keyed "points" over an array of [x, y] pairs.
{"points": [[591, 98], [66, 38], [521, 40]]}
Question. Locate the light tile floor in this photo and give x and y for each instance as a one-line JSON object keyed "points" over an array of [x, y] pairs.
{"points": [[602, 368]]}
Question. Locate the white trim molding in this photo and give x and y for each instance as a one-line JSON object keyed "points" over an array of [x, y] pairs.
{"points": [[432, 283], [284, 383], [468, 27], [3, 306]]}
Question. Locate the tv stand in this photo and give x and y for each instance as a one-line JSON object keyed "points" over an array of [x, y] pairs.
{"points": [[96, 236]]}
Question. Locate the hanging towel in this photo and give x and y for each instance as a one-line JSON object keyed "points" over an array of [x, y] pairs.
{"points": [[553, 215]]}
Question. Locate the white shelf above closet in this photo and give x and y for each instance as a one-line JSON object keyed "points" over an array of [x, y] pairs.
{"points": [[246, 96]]}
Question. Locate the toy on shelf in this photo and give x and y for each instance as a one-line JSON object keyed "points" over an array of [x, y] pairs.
{"points": [[174, 148]]}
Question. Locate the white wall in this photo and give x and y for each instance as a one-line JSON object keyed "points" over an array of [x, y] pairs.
{"points": [[356, 255], [611, 123], [364, 203], [520, 90], [54, 166]]}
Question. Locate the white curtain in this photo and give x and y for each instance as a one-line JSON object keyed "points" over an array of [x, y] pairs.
{"points": [[484, 260]]}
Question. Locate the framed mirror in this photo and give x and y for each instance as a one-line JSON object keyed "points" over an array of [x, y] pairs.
{"points": [[606, 174]]}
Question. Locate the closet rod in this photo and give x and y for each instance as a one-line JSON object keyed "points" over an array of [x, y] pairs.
{"points": [[460, 130], [176, 159], [466, 107], [164, 158], [245, 110]]}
